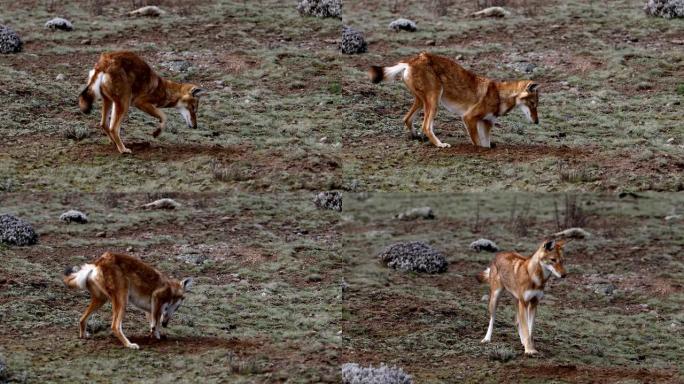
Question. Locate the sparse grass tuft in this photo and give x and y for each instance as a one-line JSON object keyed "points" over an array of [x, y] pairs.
{"points": [[502, 354], [76, 132]]}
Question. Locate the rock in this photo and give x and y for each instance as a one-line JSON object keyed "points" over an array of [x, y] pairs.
{"points": [[523, 66], [605, 289], [130, 249], [484, 245], [573, 233], [177, 65], [414, 256], [491, 12], [148, 11], [60, 77], [59, 23], [417, 213], [403, 25], [162, 204], [673, 218], [352, 42], [74, 216], [671, 140], [668, 9], [353, 373], [10, 42], [86, 41], [431, 43], [320, 8], [101, 234], [15, 231], [644, 86], [193, 258], [329, 200]]}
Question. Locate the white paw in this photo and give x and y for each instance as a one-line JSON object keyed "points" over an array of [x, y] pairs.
{"points": [[444, 145], [126, 150], [531, 352], [485, 340], [133, 346]]}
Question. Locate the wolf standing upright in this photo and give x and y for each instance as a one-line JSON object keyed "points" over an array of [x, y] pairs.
{"points": [[122, 78], [435, 79], [524, 277], [122, 278]]}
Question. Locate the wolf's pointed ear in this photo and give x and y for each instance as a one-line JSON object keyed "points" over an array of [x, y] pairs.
{"points": [[532, 87], [549, 245], [197, 92], [186, 283]]}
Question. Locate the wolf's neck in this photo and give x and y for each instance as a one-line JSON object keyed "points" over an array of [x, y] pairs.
{"points": [[507, 93]]}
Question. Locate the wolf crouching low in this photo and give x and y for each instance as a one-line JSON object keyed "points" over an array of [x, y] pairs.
{"points": [[123, 78], [122, 278], [435, 80]]}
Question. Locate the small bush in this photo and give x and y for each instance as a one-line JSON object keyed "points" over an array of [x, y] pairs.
{"points": [[353, 373], [502, 354], [76, 132]]}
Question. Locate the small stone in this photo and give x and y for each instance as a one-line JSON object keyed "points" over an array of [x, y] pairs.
{"points": [[162, 204], [129, 249], [403, 25], [101, 234], [60, 77], [85, 42], [491, 12], [431, 43], [59, 23], [148, 11], [643, 86], [73, 216], [417, 213], [353, 42]]}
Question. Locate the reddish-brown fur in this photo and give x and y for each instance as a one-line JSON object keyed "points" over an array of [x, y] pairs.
{"points": [[436, 79], [118, 278], [525, 278], [130, 80]]}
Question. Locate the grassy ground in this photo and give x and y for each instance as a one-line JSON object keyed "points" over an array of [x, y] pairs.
{"points": [[609, 98], [268, 123], [431, 325], [265, 306]]}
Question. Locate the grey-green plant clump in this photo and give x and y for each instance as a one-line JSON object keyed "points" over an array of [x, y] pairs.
{"points": [[413, 256], [15, 231]]}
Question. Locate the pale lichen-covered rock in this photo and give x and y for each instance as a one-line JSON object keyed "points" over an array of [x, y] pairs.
{"points": [[413, 256], [353, 42], [15, 231], [484, 245], [353, 373], [320, 8], [668, 9], [403, 25], [74, 216], [59, 23], [10, 42]]}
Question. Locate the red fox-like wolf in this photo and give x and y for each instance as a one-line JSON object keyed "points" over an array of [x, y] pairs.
{"points": [[121, 279], [123, 78], [524, 277], [435, 80]]}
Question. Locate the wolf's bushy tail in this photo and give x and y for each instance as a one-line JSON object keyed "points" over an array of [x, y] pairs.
{"points": [[75, 277], [483, 276], [378, 74]]}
